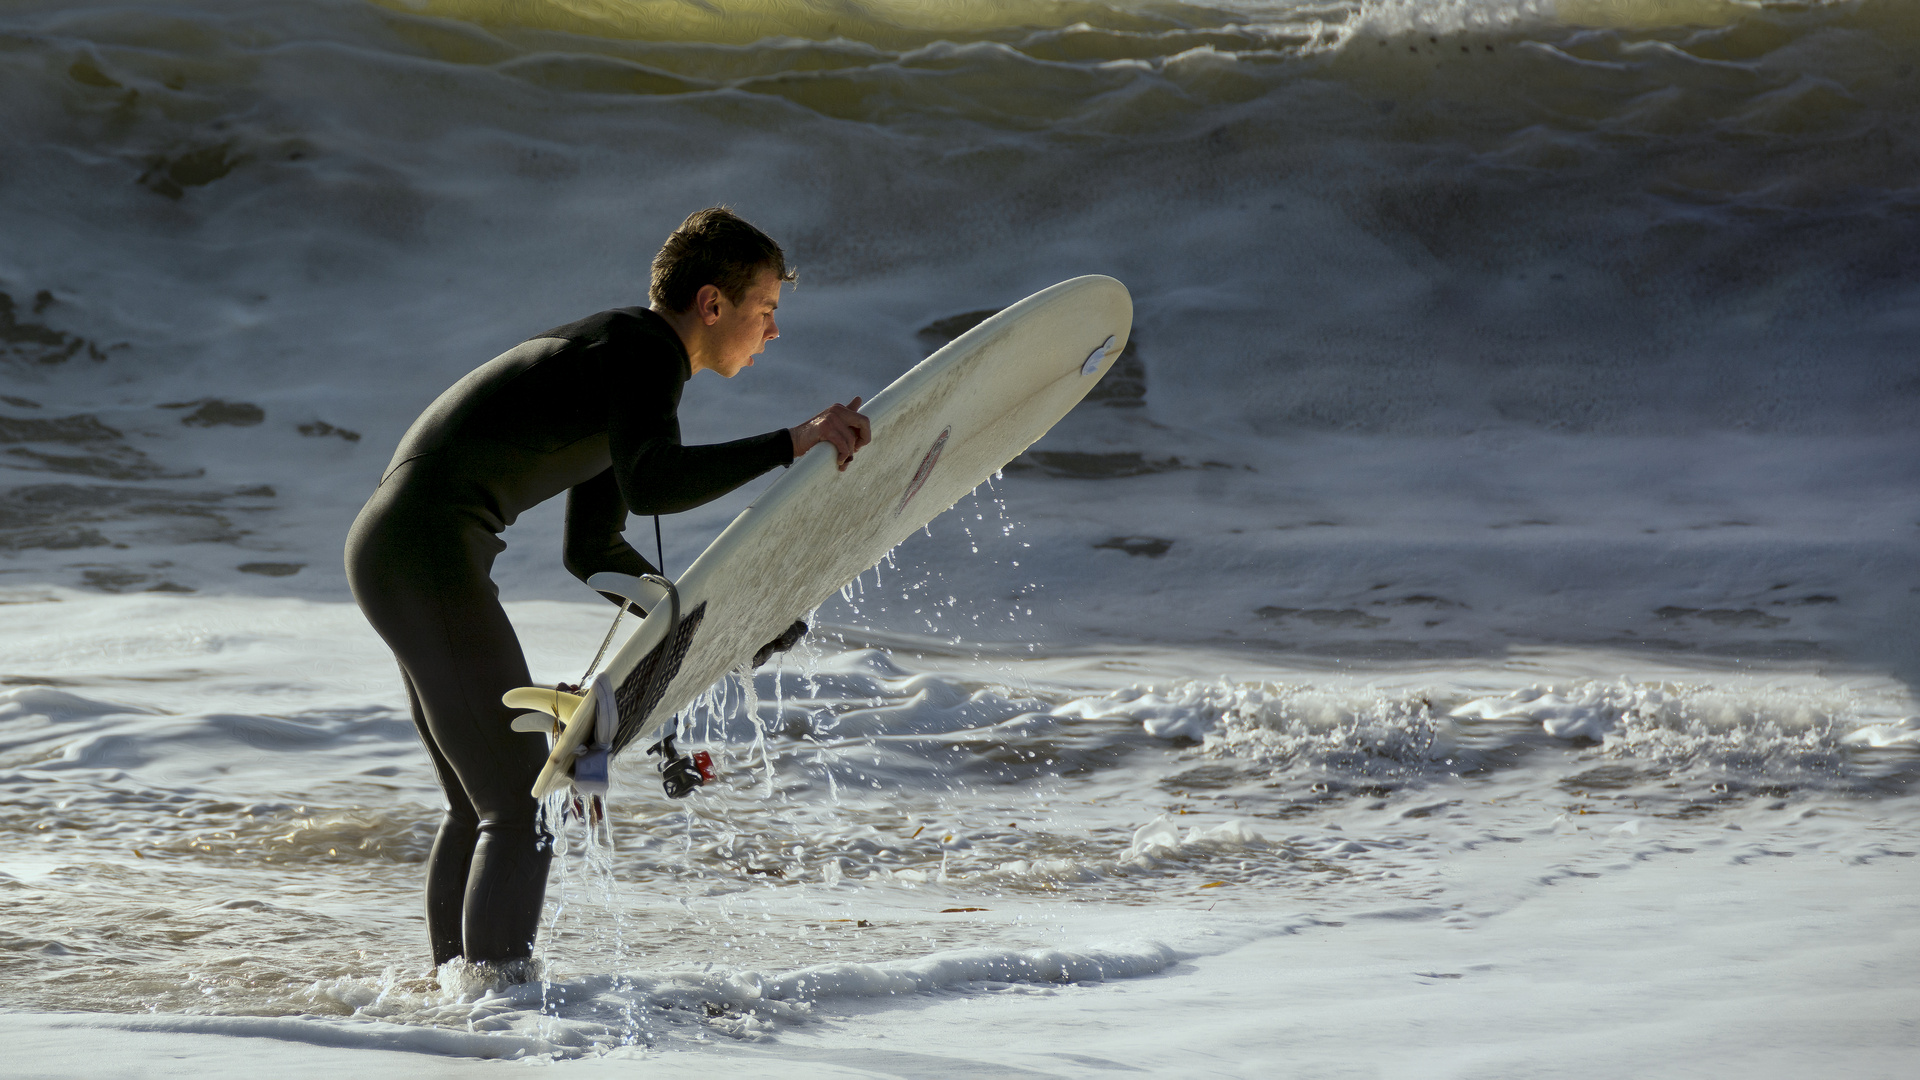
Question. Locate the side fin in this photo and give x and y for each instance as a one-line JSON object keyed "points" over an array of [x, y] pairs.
{"points": [[538, 723], [632, 589]]}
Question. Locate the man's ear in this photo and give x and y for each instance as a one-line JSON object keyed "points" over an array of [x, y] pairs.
{"points": [[707, 303]]}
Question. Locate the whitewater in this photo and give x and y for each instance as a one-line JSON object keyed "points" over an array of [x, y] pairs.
{"points": [[1472, 632]]}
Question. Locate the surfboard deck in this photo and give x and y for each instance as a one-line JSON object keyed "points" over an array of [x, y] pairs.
{"points": [[939, 431]]}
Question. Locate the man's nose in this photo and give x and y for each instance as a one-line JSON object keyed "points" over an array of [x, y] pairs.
{"points": [[773, 330]]}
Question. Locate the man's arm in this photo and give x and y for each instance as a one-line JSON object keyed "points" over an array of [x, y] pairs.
{"points": [[656, 473], [660, 476], [596, 515]]}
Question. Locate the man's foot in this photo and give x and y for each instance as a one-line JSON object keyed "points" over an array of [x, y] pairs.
{"points": [[469, 981], [788, 639]]}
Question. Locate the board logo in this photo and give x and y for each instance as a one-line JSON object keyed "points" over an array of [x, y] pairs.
{"points": [[920, 474]]}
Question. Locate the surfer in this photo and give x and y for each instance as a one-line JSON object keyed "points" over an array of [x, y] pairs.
{"points": [[588, 408]]}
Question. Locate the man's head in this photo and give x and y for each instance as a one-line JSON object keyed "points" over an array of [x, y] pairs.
{"points": [[713, 247], [717, 283]]}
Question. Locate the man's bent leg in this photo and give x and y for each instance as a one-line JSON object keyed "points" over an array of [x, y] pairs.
{"points": [[444, 622], [460, 671], [451, 859]]}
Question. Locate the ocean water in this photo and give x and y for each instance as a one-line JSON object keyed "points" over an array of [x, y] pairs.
{"points": [[1510, 500]]}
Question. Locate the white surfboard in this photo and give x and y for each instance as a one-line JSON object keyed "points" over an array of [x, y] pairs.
{"points": [[939, 431]]}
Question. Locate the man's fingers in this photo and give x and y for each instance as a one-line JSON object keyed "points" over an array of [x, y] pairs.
{"points": [[860, 427], [842, 427], [836, 434]]}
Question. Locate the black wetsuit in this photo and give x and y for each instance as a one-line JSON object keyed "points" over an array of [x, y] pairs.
{"points": [[589, 409]]}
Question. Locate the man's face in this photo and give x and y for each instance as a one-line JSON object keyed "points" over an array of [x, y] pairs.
{"points": [[741, 331]]}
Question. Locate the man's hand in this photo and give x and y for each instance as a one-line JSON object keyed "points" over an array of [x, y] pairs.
{"points": [[840, 425]]}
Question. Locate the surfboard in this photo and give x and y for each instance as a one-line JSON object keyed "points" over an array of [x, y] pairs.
{"points": [[939, 431]]}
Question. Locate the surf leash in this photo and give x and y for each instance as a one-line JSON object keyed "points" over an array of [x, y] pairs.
{"points": [[604, 642], [659, 554]]}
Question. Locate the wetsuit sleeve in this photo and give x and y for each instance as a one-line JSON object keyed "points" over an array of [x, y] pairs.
{"points": [[655, 472], [596, 515]]}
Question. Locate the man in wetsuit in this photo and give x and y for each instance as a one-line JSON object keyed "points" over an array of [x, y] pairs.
{"points": [[588, 409]]}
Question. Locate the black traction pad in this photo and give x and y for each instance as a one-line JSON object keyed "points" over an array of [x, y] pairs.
{"points": [[640, 691]]}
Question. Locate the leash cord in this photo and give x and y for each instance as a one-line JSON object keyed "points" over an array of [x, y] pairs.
{"points": [[659, 553]]}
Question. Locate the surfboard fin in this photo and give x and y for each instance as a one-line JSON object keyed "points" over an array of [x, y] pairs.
{"points": [[639, 592], [537, 722], [788, 639], [556, 703]]}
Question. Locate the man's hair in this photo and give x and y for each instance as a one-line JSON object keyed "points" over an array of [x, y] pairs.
{"points": [[713, 247]]}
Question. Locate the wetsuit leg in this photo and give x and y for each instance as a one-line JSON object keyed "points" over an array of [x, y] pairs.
{"points": [[422, 581]]}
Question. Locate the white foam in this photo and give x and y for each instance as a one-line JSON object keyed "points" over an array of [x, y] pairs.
{"points": [[1590, 711], [953, 969], [1882, 736]]}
